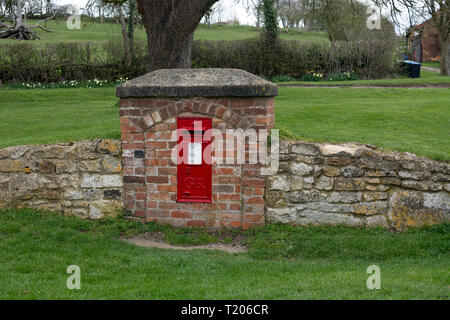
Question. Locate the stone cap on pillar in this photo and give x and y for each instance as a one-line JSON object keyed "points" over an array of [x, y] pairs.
{"points": [[197, 83]]}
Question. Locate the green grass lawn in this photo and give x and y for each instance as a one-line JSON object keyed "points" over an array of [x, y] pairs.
{"points": [[282, 263], [91, 31], [414, 120], [426, 78], [41, 116]]}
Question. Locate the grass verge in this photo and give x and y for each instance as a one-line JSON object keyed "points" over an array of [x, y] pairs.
{"points": [[283, 262], [416, 121], [39, 116]]}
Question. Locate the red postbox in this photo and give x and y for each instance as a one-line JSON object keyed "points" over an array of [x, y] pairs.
{"points": [[194, 171]]}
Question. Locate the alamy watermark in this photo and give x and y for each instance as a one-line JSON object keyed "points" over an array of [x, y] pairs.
{"points": [[374, 19], [74, 20], [374, 281], [74, 281], [213, 146]]}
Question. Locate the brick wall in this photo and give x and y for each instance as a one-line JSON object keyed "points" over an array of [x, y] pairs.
{"points": [[425, 45], [431, 47], [150, 176]]}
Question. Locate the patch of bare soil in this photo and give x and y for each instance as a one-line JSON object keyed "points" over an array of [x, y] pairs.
{"points": [[156, 240]]}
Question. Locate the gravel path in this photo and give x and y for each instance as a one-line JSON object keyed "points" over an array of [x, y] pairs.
{"points": [[431, 69]]}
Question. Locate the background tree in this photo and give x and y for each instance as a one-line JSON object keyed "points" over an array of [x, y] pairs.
{"points": [[255, 8], [126, 40], [208, 16], [436, 10], [270, 22], [18, 14], [346, 20], [291, 12], [119, 7], [131, 20], [101, 13]]}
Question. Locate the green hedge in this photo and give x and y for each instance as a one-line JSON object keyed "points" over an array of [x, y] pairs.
{"points": [[30, 62], [369, 59]]}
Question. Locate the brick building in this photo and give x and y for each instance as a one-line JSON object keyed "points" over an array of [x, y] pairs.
{"points": [[423, 43]]}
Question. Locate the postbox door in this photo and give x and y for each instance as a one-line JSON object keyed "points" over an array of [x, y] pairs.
{"points": [[194, 174]]}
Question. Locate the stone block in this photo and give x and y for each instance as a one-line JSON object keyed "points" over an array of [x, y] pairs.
{"points": [[305, 149], [111, 164], [370, 208], [109, 146], [349, 184], [344, 197], [409, 208], [284, 215], [324, 183], [278, 183], [313, 217], [101, 181], [301, 169]]}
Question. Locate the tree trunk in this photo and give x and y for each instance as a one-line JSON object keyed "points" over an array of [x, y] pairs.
{"points": [[166, 53], [19, 14], [131, 23], [100, 14], [445, 57], [170, 27], [126, 41]]}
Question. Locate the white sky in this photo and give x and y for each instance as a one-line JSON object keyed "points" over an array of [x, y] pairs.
{"points": [[231, 9]]}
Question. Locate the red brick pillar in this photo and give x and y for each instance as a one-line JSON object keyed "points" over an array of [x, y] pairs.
{"points": [[149, 108]]}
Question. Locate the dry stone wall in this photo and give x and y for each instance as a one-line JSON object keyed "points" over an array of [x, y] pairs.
{"points": [[82, 178], [316, 183], [356, 186]]}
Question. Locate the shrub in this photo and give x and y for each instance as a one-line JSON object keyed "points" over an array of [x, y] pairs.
{"points": [[312, 76], [56, 62], [283, 79], [342, 76], [368, 59]]}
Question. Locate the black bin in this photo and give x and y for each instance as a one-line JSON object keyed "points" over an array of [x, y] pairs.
{"points": [[413, 68]]}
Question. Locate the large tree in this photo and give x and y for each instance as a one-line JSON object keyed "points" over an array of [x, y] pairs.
{"points": [[170, 26]]}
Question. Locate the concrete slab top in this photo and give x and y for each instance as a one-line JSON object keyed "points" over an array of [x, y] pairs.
{"points": [[197, 83]]}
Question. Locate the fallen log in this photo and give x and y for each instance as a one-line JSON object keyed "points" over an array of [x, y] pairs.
{"points": [[23, 32], [19, 33]]}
